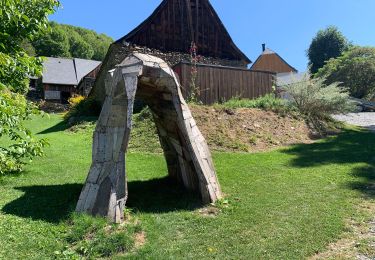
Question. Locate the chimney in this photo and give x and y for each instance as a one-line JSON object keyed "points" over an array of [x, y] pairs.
{"points": [[263, 47]]}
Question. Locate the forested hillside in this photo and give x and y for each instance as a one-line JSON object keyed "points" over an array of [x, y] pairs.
{"points": [[63, 40]]}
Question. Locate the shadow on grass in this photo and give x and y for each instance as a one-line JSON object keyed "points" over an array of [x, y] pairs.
{"points": [[348, 147], [49, 203], [63, 125], [160, 196], [56, 202]]}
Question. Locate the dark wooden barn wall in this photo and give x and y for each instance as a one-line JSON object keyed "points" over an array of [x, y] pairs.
{"points": [[177, 23], [272, 62], [217, 84]]}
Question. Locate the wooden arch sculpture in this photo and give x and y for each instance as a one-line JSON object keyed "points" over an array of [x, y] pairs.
{"points": [[185, 149]]}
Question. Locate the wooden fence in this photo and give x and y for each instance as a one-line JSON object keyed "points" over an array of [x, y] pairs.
{"points": [[219, 83]]}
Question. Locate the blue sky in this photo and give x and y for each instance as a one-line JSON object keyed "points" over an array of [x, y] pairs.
{"points": [[286, 26]]}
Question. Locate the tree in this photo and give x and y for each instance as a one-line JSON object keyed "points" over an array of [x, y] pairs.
{"points": [[71, 41], [78, 47], [52, 43], [327, 44], [355, 69], [20, 20]]}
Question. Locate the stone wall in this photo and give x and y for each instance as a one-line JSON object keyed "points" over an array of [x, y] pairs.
{"points": [[173, 58]]}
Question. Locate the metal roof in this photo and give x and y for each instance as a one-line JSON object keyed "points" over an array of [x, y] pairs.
{"points": [[84, 67], [62, 71]]}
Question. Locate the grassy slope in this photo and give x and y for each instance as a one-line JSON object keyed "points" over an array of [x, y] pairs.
{"points": [[285, 204]]}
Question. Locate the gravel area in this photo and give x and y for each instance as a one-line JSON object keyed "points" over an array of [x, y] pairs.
{"points": [[366, 120]]}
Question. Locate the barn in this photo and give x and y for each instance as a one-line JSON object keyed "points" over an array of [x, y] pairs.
{"points": [[170, 32], [63, 77]]}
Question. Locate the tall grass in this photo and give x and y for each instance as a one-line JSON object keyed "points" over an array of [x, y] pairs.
{"points": [[267, 102]]}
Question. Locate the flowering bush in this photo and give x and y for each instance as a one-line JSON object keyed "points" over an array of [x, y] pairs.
{"points": [[75, 100]]}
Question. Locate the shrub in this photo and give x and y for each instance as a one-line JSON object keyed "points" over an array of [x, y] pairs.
{"points": [[82, 108], [317, 101], [75, 100], [14, 109], [267, 102], [20, 21], [355, 69]]}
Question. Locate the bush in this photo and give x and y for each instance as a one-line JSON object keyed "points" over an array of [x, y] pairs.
{"points": [[75, 100], [14, 110], [355, 69], [82, 108], [267, 102], [20, 21], [317, 101]]}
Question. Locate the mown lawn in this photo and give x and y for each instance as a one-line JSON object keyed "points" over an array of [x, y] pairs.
{"points": [[284, 204]]}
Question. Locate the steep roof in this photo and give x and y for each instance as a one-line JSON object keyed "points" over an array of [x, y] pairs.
{"points": [[59, 71], [270, 60], [176, 23], [84, 67], [62, 71]]}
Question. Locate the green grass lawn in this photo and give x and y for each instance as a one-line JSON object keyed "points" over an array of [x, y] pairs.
{"points": [[284, 204]]}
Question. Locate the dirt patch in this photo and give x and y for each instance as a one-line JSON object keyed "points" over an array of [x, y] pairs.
{"points": [[249, 130], [139, 239], [209, 211], [358, 242], [51, 107]]}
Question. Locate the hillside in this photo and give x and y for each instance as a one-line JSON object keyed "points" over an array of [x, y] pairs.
{"points": [[63, 40], [239, 130]]}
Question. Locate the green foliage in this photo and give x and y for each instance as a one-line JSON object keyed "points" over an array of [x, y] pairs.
{"points": [[55, 42], [267, 102], [71, 41], [317, 101], [15, 69], [355, 69], [327, 44], [81, 108], [144, 136], [20, 21], [28, 47], [14, 109]]}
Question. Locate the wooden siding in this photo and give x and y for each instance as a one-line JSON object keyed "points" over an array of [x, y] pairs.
{"points": [[63, 88], [177, 23], [218, 83], [272, 62]]}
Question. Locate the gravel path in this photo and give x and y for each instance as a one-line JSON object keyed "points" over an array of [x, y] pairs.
{"points": [[367, 120]]}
